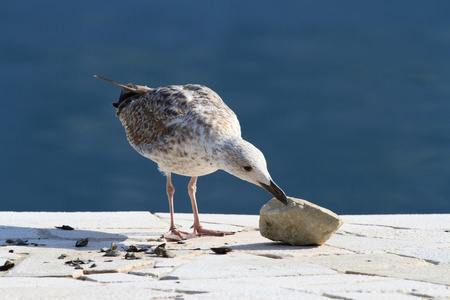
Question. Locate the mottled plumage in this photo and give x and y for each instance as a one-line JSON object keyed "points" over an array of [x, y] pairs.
{"points": [[188, 130], [170, 125]]}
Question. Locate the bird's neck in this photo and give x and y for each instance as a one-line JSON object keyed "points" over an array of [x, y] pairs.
{"points": [[227, 150]]}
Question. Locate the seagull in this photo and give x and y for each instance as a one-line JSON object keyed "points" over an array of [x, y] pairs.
{"points": [[188, 130]]}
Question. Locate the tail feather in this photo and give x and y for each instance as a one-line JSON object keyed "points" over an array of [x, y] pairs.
{"points": [[128, 91], [139, 89]]}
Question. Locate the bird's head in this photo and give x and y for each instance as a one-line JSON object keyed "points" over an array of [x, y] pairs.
{"points": [[245, 161]]}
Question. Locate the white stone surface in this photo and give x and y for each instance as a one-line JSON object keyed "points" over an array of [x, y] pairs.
{"points": [[153, 272], [115, 278], [359, 244], [171, 263], [81, 220], [257, 292], [439, 274], [373, 296], [34, 282], [435, 256], [429, 221], [370, 257], [364, 263], [44, 262], [100, 292], [404, 287], [433, 237], [244, 265]]}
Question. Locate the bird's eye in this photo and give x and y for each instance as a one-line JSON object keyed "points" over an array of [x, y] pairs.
{"points": [[247, 168]]}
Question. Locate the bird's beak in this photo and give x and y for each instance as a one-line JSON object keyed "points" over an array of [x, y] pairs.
{"points": [[275, 190]]}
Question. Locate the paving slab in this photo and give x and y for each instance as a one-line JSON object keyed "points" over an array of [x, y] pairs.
{"points": [[370, 257], [81, 220], [35, 282], [366, 245], [373, 296], [429, 237], [438, 274], [115, 278], [100, 292], [400, 286], [358, 263], [243, 265], [386, 264], [337, 285], [434, 256], [257, 292], [153, 272], [171, 263], [416, 221], [315, 286], [44, 262]]}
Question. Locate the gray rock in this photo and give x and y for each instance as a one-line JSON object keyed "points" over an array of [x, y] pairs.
{"points": [[298, 223]]}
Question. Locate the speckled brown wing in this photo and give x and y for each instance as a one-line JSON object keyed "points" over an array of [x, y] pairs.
{"points": [[147, 117], [173, 111], [210, 111]]}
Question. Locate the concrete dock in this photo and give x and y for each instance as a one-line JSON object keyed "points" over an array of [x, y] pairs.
{"points": [[370, 257]]}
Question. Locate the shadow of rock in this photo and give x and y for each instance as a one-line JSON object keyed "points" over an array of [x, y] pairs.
{"points": [[274, 246]]}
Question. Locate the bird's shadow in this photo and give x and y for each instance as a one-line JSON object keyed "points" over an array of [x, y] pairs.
{"points": [[13, 236], [66, 239]]}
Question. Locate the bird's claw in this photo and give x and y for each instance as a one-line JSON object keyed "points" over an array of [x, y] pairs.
{"points": [[202, 231], [175, 235]]}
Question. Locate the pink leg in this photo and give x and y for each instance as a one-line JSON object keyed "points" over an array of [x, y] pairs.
{"points": [[174, 233], [198, 229]]}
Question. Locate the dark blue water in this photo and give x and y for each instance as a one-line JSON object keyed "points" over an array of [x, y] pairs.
{"points": [[349, 101]]}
